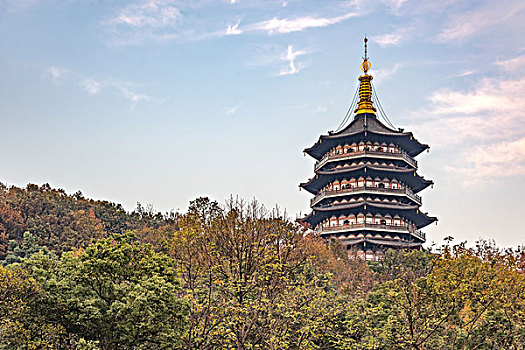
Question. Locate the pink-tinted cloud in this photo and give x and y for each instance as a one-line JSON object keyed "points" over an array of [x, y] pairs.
{"points": [[482, 130]]}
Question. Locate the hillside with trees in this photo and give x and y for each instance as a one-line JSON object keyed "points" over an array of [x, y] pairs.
{"points": [[85, 274], [62, 222]]}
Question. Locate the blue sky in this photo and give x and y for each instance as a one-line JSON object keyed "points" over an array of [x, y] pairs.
{"points": [[161, 101]]}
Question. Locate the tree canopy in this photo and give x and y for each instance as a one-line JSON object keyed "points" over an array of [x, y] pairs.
{"points": [[238, 276]]}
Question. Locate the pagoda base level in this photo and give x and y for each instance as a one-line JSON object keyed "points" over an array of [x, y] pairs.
{"points": [[371, 249]]}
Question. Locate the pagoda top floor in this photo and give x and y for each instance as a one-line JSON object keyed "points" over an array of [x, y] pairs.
{"points": [[366, 128]]}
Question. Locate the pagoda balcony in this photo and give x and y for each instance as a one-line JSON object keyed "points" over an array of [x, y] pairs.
{"points": [[366, 189], [373, 227], [351, 155]]}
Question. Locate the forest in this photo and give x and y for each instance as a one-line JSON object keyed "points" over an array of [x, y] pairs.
{"points": [[77, 273]]}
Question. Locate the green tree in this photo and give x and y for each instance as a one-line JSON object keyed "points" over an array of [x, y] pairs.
{"points": [[22, 323], [117, 292], [253, 279], [461, 299], [17, 252]]}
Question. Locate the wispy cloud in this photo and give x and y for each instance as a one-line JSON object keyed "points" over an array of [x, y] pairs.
{"points": [[381, 75], [492, 15], [320, 109], [486, 163], [394, 38], [395, 4], [482, 129], [91, 86], [165, 20], [289, 25], [465, 73], [278, 25], [516, 64], [56, 73], [232, 109], [233, 29], [144, 20], [293, 67], [149, 13], [94, 86]]}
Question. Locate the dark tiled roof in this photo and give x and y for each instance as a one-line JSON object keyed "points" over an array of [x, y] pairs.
{"points": [[384, 242], [375, 132], [370, 123], [408, 176], [410, 212]]}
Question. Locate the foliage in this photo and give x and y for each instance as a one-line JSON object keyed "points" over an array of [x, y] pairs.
{"points": [[62, 222], [17, 252], [22, 325], [236, 276], [118, 293], [461, 299], [250, 281]]}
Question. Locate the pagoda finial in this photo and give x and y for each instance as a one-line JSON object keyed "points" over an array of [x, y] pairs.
{"points": [[365, 66], [365, 104]]}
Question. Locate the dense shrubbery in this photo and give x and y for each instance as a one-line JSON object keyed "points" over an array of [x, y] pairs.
{"points": [[239, 277]]}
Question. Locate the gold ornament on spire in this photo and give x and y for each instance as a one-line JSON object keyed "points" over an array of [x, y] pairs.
{"points": [[365, 104]]}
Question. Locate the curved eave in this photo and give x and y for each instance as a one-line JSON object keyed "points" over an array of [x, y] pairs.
{"points": [[409, 212], [383, 242], [408, 176], [404, 140], [393, 158]]}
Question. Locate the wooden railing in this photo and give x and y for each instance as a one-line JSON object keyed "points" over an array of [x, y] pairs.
{"points": [[392, 228], [404, 190], [350, 155]]}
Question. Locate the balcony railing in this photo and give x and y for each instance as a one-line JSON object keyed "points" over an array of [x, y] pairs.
{"points": [[390, 228], [404, 190], [350, 155]]}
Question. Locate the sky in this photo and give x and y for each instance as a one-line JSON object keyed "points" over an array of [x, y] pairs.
{"points": [[163, 101]]}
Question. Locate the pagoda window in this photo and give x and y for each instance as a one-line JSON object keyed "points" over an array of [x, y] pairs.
{"points": [[382, 222], [397, 222], [369, 183], [381, 185], [369, 220], [395, 186], [360, 219], [346, 222]]}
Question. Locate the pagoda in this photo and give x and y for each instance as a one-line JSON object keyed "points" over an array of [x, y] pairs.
{"points": [[366, 183]]}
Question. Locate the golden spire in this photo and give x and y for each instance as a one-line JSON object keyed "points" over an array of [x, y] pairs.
{"points": [[365, 104]]}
